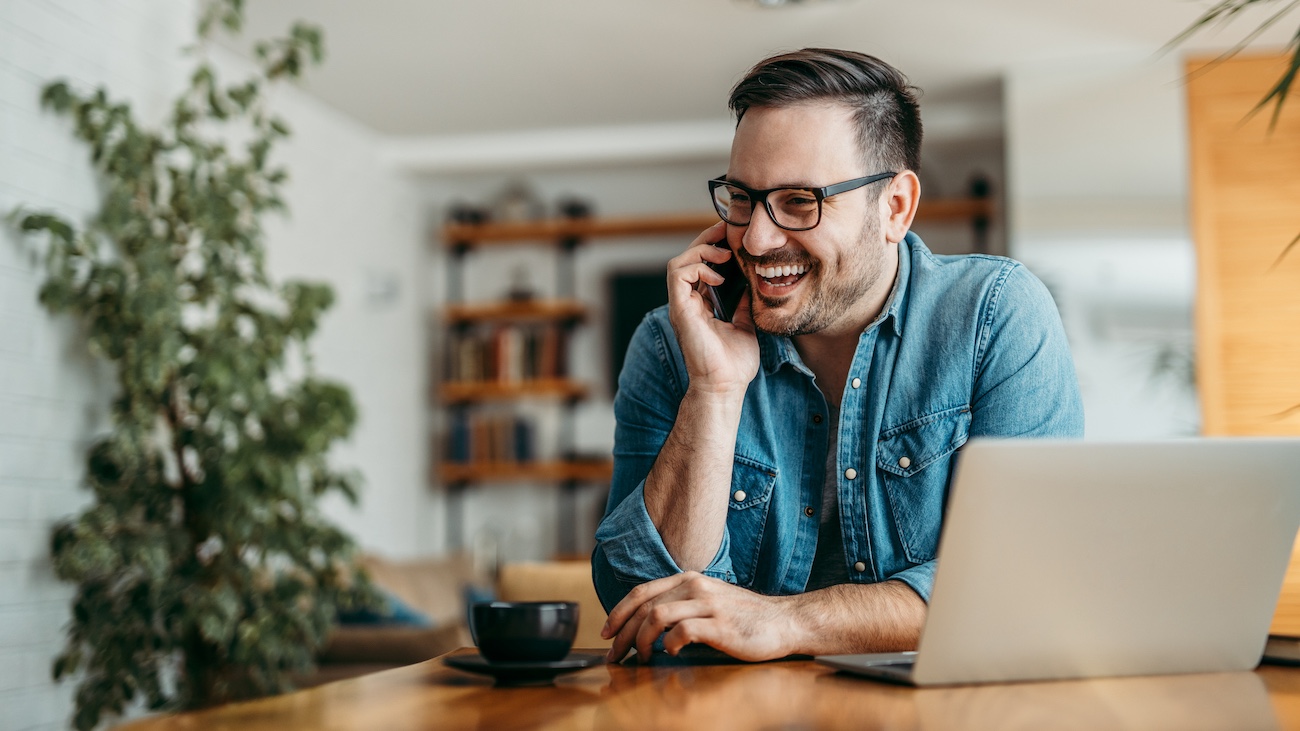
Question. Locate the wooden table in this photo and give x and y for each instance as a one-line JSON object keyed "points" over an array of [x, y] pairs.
{"points": [[780, 695]]}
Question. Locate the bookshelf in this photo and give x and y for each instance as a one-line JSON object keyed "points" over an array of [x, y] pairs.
{"points": [[510, 351], [501, 353]]}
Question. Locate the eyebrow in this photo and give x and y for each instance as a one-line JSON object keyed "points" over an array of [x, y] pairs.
{"points": [[743, 184]]}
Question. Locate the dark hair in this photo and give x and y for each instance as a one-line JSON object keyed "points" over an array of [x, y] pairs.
{"points": [[884, 105]]}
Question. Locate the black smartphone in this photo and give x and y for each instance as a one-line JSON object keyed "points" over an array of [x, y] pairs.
{"points": [[726, 296]]}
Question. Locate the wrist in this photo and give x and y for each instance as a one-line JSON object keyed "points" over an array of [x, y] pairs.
{"points": [[716, 395], [802, 632]]}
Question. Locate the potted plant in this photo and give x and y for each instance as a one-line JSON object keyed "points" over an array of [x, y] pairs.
{"points": [[204, 570]]}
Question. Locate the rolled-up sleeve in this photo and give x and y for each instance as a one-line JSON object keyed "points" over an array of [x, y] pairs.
{"points": [[919, 578], [629, 550]]}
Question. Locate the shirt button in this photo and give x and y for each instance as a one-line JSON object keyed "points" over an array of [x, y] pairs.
{"points": [[817, 418], [904, 462], [850, 473], [808, 511], [859, 567], [739, 496], [857, 382]]}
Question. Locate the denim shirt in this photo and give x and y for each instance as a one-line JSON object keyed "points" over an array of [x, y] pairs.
{"points": [[966, 346]]}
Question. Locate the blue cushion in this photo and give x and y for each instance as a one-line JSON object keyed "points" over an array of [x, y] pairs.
{"points": [[394, 612]]}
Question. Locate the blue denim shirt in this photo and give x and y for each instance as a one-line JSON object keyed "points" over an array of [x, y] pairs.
{"points": [[967, 346]]}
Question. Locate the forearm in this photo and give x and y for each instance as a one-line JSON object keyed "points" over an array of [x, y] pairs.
{"points": [[686, 491], [856, 618]]}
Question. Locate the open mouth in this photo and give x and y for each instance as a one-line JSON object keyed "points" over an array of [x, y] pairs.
{"points": [[782, 276]]}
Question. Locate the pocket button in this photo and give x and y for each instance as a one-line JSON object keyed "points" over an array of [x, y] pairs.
{"points": [[904, 462], [739, 496]]}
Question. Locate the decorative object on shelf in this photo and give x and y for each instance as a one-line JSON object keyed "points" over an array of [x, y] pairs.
{"points": [[205, 572], [517, 202], [571, 206], [464, 213], [521, 285]]}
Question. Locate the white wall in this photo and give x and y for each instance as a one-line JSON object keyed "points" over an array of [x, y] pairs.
{"points": [[1097, 168], [353, 224], [52, 398], [356, 224]]}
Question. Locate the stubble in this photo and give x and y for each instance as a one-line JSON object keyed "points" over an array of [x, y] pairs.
{"points": [[836, 288]]}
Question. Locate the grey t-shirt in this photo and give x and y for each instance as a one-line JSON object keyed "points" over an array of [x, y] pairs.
{"points": [[828, 566]]}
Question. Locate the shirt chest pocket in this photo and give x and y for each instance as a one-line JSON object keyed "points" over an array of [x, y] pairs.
{"points": [[915, 461], [751, 493]]}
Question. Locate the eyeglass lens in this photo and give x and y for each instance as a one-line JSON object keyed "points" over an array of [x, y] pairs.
{"points": [[789, 207]]}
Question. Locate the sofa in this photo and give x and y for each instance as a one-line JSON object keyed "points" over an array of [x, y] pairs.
{"points": [[439, 589]]}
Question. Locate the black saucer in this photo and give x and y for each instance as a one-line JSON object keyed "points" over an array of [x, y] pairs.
{"points": [[524, 673]]}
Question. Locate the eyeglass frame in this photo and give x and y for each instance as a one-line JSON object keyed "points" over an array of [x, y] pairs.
{"points": [[820, 194]]}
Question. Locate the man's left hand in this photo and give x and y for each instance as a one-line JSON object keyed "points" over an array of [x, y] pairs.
{"points": [[692, 607]]}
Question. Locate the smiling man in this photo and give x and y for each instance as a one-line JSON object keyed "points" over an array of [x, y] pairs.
{"points": [[779, 480]]}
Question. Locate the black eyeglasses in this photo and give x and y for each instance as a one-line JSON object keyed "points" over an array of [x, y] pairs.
{"points": [[793, 209]]}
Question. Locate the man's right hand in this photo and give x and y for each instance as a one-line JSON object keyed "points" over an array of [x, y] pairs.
{"points": [[721, 357]]}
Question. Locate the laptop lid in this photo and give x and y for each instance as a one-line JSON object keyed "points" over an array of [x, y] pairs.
{"points": [[1082, 559]]}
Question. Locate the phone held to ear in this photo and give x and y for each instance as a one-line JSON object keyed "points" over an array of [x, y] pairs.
{"points": [[726, 296]]}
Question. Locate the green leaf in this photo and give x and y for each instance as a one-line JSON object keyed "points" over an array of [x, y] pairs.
{"points": [[191, 507]]}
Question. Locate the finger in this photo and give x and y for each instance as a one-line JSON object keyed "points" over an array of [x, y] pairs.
{"points": [[633, 629], [666, 591], [703, 630], [696, 254], [626, 636], [663, 617], [634, 600], [685, 280], [716, 232], [714, 253]]}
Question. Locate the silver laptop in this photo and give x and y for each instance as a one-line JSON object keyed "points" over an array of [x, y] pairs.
{"points": [[1084, 559]]}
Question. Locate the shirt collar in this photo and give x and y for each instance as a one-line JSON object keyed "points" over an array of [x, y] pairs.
{"points": [[776, 351]]}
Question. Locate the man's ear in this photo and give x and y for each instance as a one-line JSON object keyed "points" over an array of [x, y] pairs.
{"points": [[898, 205]]}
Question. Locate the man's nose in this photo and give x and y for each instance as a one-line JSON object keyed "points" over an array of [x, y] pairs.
{"points": [[762, 235]]}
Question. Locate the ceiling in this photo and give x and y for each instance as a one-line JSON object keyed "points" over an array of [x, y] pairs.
{"points": [[431, 68]]}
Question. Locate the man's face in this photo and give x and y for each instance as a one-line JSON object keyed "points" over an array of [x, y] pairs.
{"points": [[836, 264]]}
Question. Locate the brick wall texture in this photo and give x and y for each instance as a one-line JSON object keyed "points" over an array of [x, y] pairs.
{"points": [[52, 396]]}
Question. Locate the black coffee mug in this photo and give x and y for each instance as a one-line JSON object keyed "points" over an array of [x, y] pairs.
{"points": [[523, 631]]}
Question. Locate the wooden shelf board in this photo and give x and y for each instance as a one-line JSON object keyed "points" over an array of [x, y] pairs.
{"points": [[465, 391], [538, 310], [555, 230], [554, 471]]}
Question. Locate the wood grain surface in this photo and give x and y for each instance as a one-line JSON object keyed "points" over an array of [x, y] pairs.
{"points": [[781, 695], [1245, 188]]}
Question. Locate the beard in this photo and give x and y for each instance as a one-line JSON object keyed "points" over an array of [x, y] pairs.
{"points": [[834, 289]]}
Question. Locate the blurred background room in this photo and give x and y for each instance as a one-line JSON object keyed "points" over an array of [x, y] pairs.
{"points": [[482, 360]]}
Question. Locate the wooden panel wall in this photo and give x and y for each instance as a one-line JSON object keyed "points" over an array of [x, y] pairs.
{"points": [[1245, 211]]}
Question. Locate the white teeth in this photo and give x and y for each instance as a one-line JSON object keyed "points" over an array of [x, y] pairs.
{"points": [[782, 271]]}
